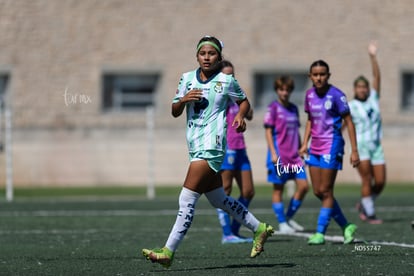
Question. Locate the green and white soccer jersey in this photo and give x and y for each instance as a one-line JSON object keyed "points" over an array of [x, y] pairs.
{"points": [[206, 119], [367, 120]]}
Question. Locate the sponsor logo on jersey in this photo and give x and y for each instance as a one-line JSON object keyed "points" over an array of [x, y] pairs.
{"points": [[317, 114], [315, 106], [188, 86], [218, 141]]}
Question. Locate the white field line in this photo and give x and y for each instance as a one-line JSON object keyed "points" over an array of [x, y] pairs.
{"points": [[338, 239], [356, 241], [54, 232], [121, 213]]}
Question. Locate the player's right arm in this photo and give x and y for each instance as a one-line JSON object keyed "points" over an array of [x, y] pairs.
{"points": [[304, 148], [269, 123], [271, 143], [178, 106]]}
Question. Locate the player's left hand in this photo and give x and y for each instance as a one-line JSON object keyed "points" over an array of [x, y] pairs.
{"points": [[373, 48], [355, 159], [239, 123]]}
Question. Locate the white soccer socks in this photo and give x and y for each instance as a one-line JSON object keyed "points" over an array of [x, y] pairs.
{"points": [[234, 208], [187, 202], [368, 204]]}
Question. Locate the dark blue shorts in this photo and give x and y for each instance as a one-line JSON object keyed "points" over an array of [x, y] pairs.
{"points": [[333, 160], [236, 160], [325, 161]]}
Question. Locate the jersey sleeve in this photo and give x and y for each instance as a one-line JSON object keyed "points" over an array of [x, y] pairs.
{"points": [[342, 104], [373, 95], [269, 116], [181, 90], [235, 92]]}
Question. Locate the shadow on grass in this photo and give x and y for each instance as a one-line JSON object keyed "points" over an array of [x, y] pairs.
{"points": [[395, 219], [235, 266], [278, 239]]}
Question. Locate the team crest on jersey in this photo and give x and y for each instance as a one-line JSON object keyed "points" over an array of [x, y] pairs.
{"points": [[218, 87], [326, 158], [343, 99]]}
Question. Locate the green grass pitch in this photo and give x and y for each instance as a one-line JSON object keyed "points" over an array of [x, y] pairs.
{"points": [[101, 231]]}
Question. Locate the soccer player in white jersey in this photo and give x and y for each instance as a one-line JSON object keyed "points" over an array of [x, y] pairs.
{"points": [[365, 112], [205, 94]]}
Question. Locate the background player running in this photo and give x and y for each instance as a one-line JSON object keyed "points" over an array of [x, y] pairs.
{"points": [[283, 162], [205, 94], [366, 116], [236, 165], [327, 107]]}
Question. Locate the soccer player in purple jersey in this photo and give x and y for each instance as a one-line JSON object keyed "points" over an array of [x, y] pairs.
{"points": [[327, 108], [236, 165], [281, 122]]}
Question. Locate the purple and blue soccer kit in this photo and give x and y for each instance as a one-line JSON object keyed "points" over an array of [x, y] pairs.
{"points": [[326, 113]]}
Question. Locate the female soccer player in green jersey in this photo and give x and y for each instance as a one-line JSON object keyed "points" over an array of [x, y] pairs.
{"points": [[366, 116], [205, 94]]}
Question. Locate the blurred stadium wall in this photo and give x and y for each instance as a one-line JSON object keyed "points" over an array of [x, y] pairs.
{"points": [[78, 76]]}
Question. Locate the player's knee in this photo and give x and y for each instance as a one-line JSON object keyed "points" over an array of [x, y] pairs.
{"points": [[303, 190], [228, 190], [380, 182], [249, 194], [322, 194], [317, 194]]}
